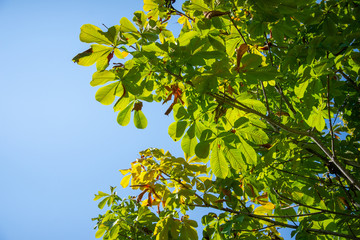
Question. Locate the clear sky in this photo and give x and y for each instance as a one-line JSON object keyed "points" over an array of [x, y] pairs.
{"points": [[58, 145]]}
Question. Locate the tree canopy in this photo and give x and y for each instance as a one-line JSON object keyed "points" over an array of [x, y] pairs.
{"points": [[265, 96]]}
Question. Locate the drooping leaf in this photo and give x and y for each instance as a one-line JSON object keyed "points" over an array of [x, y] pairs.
{"points": [[140, 120], [123, 117]]}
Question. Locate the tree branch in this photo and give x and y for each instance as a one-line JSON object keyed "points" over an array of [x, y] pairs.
{"points": [[329, 116], [319, 209], [233, 102], [349, 79], [237, 28]]}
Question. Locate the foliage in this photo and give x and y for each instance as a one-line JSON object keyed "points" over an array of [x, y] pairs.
{"points": [[265, 97]]}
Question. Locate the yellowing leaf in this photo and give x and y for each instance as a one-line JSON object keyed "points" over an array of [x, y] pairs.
{"points": [[124, 171], [127, 26], [120, 54], [300, 89], [185, 21], [264, 209], [125, 181], [149, 5]]}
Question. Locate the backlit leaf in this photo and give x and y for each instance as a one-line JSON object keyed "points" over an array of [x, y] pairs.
{"points": [[218, 163], [125, 181], [92, 34], [123, 117], [140, 120]]}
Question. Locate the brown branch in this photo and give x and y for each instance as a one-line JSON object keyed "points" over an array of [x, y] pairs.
{"points": [[236, 104], [233, 102], [237, 28], [179, 181], [319, 209], [349, 79], [269, 49], [279, 90], [329, 115], [276, 223]]}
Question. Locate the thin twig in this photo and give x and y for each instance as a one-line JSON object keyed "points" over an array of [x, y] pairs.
{"points": [[329, 116], [319, 209], [349, 79], [280, 91], [268, 45], [237, 28]]}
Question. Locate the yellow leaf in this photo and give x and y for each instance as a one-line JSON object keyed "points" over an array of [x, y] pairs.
{"points": [[149, 5], [124, 171], [267, 208], [125, 181]]}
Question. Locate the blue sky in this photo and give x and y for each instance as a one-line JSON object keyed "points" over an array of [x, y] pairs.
{"points": [[58, 145]]}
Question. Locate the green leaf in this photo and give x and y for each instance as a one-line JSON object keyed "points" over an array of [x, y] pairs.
{"points": [[140, 120], [198, 5], [235, 158], [177, 129], [316, 120], [217, 43], [218, 163], [102, 77], [255, 104], [202, 149], [106, 95], [127, 26], [185, 38], [103, 202], [231, 45], [301, 88], [189, 141], [248, 152], [92, 34], [123, 117], [100, 232], [253, 134]]}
